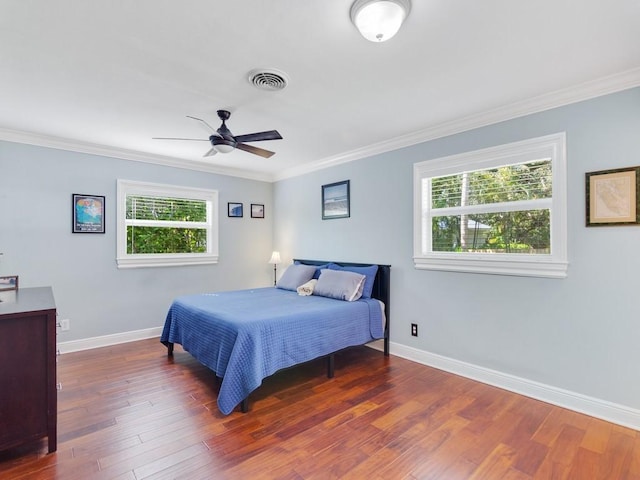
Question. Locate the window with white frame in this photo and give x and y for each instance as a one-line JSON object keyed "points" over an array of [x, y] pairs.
{"points": [[500, 210], [164, 225]]}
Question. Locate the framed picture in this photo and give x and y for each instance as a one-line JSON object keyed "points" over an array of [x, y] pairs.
{"points": [[88, 213], [612, 197], [335, 200], [234, 209], [9, 283], [257, 210]]}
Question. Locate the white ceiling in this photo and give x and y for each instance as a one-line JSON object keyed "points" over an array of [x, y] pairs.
{"points": [[115, 73]]}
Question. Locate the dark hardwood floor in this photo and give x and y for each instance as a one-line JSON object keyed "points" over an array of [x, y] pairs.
{"points": [[128, 412]]}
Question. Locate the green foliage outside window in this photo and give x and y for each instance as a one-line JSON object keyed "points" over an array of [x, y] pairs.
{"points": [[166, 240], [521, 231], [157, 225]]}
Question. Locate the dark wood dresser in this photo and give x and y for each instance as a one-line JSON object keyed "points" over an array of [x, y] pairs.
{"points": [[28, 395]]}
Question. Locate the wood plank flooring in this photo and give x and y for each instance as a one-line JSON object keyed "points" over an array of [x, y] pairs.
{"points": [[129, 412]]}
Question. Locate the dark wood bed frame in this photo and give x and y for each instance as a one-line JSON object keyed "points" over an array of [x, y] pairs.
{"points": [[381, 291]]}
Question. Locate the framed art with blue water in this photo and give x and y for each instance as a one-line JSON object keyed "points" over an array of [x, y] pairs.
{"points": [[88, 213], [335, 200]]}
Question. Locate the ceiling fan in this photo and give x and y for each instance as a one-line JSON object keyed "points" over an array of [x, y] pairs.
{"points": [[223, 141]]}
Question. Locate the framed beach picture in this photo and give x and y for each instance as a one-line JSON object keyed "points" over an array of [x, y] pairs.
{"points": [[88, 213], [335, 200], [9, 283], [257, 210], [234, 209], [612, 197]]}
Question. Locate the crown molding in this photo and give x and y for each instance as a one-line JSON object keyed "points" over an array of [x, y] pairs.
{"points": [[584, 91], [79, 146]]}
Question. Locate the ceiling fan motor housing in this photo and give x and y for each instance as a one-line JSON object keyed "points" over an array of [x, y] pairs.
{"points": [[217, 141], [223, 131]]}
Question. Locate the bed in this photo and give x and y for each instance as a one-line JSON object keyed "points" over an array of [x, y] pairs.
{"points": [[244, 336]]}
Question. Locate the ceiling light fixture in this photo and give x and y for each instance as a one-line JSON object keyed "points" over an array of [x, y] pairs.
{"points": [[222, 145], [379, 20]]}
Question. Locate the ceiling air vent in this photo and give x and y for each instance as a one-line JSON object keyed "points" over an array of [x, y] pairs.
{"points": [[268, 79]]}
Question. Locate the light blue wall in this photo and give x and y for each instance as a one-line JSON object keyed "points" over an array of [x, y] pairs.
{"points": [[580, 333], [36, 184]]}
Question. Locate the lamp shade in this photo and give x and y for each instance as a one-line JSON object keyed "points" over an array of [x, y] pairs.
{"points": [[275, 258], [224, 146], [379, 20]]}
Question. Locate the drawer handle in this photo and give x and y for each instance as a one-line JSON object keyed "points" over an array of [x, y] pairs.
{"points": [[59, 386]]}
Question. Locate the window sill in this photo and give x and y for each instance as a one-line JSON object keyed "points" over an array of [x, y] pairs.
{"points": [[145, 261], [506, 265]]}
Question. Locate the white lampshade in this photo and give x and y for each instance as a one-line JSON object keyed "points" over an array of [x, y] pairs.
{"points": [[379, 20], [275, 258], [224, 147]]}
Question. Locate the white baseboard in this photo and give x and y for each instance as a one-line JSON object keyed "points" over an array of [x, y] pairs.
{"points": [[594, 407], [108, 340]]}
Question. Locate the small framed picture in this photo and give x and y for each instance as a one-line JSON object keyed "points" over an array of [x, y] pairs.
{"points": [[335, 200], [257, 210], [88, 213], [9, 283], [612, 197], [234, 209]]}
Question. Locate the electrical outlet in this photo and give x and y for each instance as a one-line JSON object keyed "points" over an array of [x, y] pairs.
{"points": [[414, 329], [65, 325]]}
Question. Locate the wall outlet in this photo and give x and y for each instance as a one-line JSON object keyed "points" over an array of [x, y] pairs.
{"points": [[414, 329], [65, 325]]}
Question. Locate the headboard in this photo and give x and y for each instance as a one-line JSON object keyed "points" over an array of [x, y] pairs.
{"points": [[381, 288]]}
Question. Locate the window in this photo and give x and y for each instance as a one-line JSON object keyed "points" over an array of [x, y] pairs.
{"points": [[163, 225], [501, 210]]}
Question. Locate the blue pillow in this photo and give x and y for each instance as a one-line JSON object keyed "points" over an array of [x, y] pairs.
{"points": [[318, 268], [295, 275], [341, 285], [369, 272]]}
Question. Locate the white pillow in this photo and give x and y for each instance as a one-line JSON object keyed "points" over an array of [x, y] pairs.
{"points": [[340, 284], [295, 275]]}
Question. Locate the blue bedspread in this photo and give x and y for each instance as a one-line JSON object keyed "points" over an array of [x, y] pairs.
{"points": [[246, 335]]}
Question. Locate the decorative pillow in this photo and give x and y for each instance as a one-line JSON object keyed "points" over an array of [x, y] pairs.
{"points": [[339, 285], [295, 275], [318, 268], [368, 271]]}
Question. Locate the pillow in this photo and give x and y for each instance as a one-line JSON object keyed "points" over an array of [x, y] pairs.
{"points": [[318, 268], [339, 285], [295, 275], [368, 271]]}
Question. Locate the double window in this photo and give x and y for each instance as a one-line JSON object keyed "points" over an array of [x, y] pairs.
{"points": [[501, 210], [162, 225]]}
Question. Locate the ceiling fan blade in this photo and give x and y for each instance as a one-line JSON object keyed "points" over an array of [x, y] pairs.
{"points": [[188, 139], [203, 122], [256, 137], [255, 150], [210, 153]]}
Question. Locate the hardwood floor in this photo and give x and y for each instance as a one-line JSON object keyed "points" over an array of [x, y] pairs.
{"points": [[128, 412]]}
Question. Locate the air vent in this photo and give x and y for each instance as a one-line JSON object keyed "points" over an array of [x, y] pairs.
{"points": [[268, 79]]}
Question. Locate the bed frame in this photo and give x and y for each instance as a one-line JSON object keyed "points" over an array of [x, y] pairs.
{"points": [[381, 291]]}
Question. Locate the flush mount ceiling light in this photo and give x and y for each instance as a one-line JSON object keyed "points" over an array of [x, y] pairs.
{"points": [[379, 20]]}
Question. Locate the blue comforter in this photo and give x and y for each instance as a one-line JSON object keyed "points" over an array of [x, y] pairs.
{"points": [[246, 335]]}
